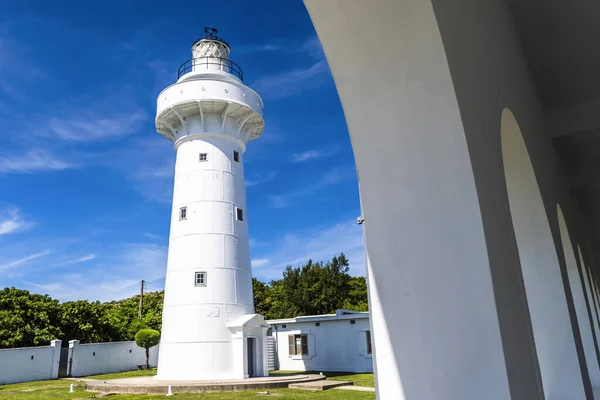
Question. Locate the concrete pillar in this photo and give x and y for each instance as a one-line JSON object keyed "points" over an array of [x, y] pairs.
{"points": [[583, 317], [56, 343], [591, 298], [435, 326]]}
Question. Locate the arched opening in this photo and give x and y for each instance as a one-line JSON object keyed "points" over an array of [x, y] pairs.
{"points": [[585, 329], [591, 295], [555, 344]]}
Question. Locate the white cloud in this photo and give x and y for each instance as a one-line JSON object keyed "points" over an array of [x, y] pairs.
{"points": [[33, 160], [82, 126], [24, 260], [330, 178], [11, 221], [318, 244], [312, 154], [114, 278], [295, 81], [261, 262], [85, 258], [291, 83], [266, 178]]}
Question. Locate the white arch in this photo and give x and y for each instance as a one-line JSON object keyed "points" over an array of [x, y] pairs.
{"points": [[585, 329], [592, 300], [555, 344]]}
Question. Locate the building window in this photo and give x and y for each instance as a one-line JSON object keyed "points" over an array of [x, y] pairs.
{"points": [[236, 156], [203, 157], [182, 213], [239, 214], [298, 345], [200, 279], [368, 337]]}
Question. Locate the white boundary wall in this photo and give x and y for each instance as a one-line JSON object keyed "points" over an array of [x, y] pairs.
{"points": [[103, 358], [29, 363]]}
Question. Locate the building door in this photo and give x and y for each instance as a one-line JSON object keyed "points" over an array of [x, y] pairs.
{"points": [[250, 346]]}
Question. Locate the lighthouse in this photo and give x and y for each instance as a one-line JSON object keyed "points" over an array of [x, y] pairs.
{"points": [[209, 328]]}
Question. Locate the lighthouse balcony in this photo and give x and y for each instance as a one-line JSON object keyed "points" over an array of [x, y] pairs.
{"points": [[210, 64]]}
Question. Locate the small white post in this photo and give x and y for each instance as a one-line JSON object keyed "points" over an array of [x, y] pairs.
{"points": [[72, 388], [170, 391]]}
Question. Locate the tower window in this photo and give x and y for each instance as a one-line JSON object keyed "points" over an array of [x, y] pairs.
{"points": [[236, 156], [239, 213], [182, 213], [200, 278], [203, 157]]}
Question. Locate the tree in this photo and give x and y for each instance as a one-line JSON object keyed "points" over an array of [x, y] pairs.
{"points": [[147, 338], [27, 319], [313, 289], [262, 298], [84, 321], [357, 298]]}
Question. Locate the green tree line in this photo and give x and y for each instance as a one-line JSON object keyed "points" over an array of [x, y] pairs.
{"points": [[28, 319]]}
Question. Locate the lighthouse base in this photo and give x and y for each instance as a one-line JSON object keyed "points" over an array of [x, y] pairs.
{"points": [[243, 356]]}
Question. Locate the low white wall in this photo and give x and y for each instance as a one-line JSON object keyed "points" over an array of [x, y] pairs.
{"points": [[334, 345], [29, 363], [104, 358]]}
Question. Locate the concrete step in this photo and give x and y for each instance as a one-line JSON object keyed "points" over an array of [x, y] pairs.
{"points": [[319, 385]]}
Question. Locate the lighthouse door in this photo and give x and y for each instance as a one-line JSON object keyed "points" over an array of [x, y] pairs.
{"points": [[250, 346]]}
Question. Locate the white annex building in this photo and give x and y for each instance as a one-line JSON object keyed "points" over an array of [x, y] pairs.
{"points": [[331, 342], [210, 330]]}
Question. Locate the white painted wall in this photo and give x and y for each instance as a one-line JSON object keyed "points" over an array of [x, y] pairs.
{"points": [[335, 345], [29, 363], [554, 340], [214, 113], [103, 358]]}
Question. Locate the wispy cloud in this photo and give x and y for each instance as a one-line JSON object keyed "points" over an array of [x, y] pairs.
{"points": [[81, 126], [11, 221], [78, 260], [266, 178], [290, 83], [261, 262], [114, 278], [293, 82], [318, 244], [32, 161], [332, 177], [15, 263], [312, 154]]}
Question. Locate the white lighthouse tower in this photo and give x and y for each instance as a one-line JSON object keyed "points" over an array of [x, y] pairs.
{"points": [[210, 330]]}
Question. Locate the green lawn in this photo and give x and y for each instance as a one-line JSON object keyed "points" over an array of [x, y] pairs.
{"points": [[59, 389], [127, 374], [287, 394], [358, 379]]}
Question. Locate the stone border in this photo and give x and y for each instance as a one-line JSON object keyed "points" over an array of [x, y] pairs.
{"points": [[147, 385]]}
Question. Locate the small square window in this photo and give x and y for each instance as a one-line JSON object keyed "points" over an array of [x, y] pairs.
{"points": [[182, 213], [239, 214], [203, 157], [236, 156], [200, 279]]}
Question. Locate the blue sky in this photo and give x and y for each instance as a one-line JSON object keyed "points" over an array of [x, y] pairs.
{"points": [[85, 180]]}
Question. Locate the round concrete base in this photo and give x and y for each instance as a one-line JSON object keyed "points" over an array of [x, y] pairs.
{"points": [[148, 385]]}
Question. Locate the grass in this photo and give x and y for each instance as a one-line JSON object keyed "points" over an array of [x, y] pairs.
{"points": [[358, 379], [285, 394], [58, 389], [126, 374]]}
